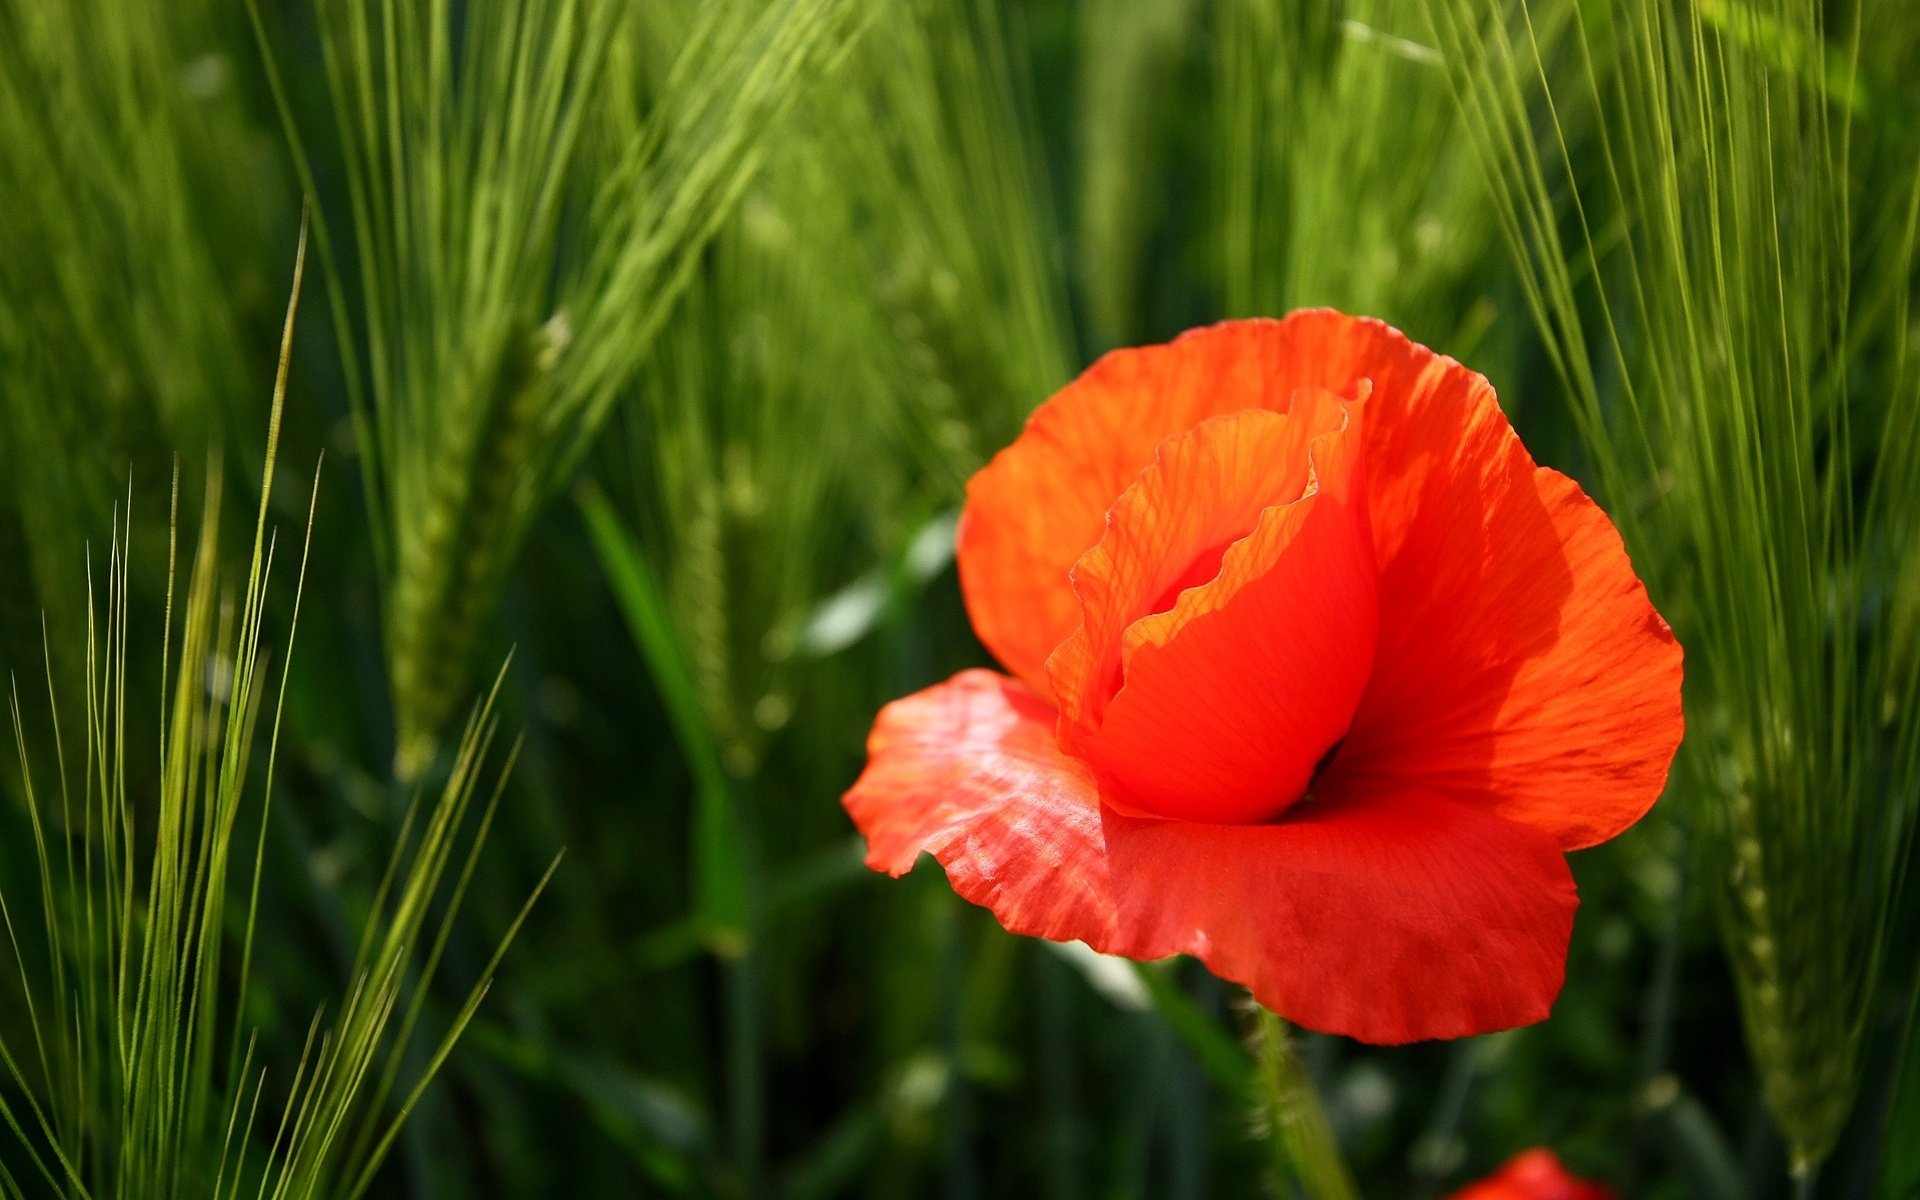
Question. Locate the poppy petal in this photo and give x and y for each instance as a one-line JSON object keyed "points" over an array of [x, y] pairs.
{"points": [[1228, 698], [1388, 919], [1520, 664], [1535, 1174], [968, 771]]}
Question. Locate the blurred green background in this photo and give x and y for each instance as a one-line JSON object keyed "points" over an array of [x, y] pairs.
{"points": [[654, 343]]}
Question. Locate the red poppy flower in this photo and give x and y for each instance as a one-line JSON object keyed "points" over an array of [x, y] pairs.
{"points": [[1315, 677], [1533, 1175]]}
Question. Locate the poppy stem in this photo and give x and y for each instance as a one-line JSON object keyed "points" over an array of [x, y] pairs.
{"points": [[1305, 1153]]}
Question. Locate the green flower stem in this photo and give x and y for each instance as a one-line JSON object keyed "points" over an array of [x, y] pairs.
{"points": [[1304, 1151]]}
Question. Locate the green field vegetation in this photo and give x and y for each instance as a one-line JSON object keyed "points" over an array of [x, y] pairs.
{"points": [[508, 592]]}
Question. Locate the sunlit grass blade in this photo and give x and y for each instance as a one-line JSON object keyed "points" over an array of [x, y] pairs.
{"points": [[126, 1089], [1333, 167]]}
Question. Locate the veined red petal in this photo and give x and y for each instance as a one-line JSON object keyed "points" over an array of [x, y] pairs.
{"points": [[1520, 666], [1218, 706], [1387, 918], [968, 771]]}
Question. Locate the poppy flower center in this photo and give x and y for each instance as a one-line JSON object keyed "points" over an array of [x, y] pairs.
{"points": [[1204, 569], [1229, 617]]}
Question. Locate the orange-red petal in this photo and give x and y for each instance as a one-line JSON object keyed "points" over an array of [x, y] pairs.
{"points": [[1387, 918], [1218, 707], [1533, 1175], [1520, 665]]}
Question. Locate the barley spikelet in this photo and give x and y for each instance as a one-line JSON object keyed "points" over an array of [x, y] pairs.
{"points": [[477, 497], [704, 600], [500, 124], [1790, 974]]}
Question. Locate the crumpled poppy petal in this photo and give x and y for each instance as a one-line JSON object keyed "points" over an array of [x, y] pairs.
{"points": [[1042, 502], [1520, 664], [1386, 918], [1533, 1175], [969, 772], [1222, 703]]}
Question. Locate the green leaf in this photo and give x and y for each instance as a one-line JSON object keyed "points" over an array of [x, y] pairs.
{"points": [[721, 886], [1900, 1167]]}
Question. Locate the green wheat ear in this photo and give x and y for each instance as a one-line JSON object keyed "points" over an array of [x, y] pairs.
{"points": [[1746, 202], [493, 347], [448, 558], [140, 1078]]}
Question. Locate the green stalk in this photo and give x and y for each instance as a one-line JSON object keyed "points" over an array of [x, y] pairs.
{"points": [[1305, 1154], [725, 901]]}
